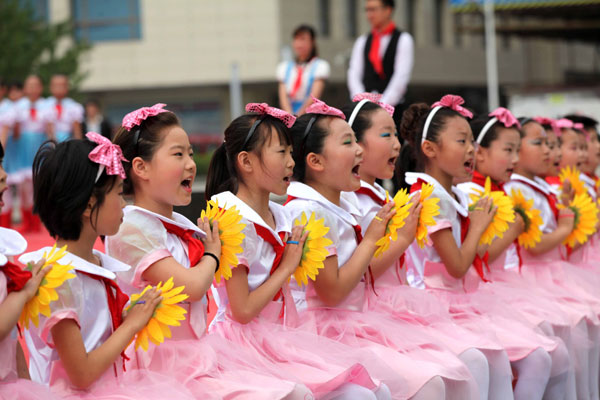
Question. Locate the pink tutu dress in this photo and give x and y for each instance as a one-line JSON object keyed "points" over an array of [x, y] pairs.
{"points": [[83, 299], [208, 365], [404, 347], [323, 365], [11, 387]]}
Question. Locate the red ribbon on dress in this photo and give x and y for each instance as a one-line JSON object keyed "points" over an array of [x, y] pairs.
{"points": [[32, 113], [59, 110], [374, 57], [550, 197], [480, 180], [116, 302], [16, 276], [195, 245], [478, 262], [372, 195], [369, 274], [298, 82], [415, 187], [278, 248]]}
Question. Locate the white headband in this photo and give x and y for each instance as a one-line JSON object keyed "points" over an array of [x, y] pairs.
{"points": [[428, 122], [100, 170], [356, 110], [485, 129]]}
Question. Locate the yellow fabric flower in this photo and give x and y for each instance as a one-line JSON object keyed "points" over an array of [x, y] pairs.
{"points": [[402, 207], [315, 248], [428, 212], [167, 313], [586, 218], [230, 233], [505, 213], [46, 293], [572, 175], [531, 217]]}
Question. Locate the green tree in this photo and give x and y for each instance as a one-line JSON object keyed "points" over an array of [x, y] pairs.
{"points": [[31, 45]]}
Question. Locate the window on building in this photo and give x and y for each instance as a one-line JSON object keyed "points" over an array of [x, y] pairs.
{"points": [[38, 7], [324, 17], [351, 19], [106, 20], [410, 16]]}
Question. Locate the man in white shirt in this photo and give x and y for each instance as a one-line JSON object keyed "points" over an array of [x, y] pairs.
{"points": [[382, 60], [63, 114]]}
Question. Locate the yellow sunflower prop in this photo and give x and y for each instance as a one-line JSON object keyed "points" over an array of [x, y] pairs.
{"points": [[167, 313], [402, 206], [586, 218], [531, 217], [430, 209], [572, 175], [315, 248], [46, 293], [504, 212], [230, 232]]}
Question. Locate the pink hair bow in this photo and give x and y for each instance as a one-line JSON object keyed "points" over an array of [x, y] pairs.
{"points": [[504, 116], [549, 122], [265, 109], [108, 155], [564, 123], [136, 117], [453, 102], [319, 107], [374, 98]]}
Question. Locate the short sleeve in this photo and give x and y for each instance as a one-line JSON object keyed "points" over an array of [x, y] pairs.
{"points": [[281, 68], [66, 306], [444, 219], [322, 69], [8, 118], [76, 112], [140, 242], [249, 245]]}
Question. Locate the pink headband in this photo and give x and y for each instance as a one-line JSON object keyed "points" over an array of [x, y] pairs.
{"points": [[108, 155], [319, 107], [502, 115], [363, 98], [136, 117], [564, 123], [450, 101], [548, 121], [264, 109]]}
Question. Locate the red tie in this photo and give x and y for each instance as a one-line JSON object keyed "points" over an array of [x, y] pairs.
{"points": [[478, 262], [116, 302], [374, 57], [372, 195], [16, 276], [480, 180], [195, 245], [58, 109], [359, 238], [296, 87], [32, 113], [278, 248]]}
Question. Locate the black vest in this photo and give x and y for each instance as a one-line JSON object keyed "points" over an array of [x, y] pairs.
{"points": [[371, 80]]}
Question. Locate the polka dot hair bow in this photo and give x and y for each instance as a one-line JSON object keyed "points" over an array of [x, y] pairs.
{"points": [[136, 117], [450, 101], [548, 122], [265, 109], [502, 115], [319, 107], [373, 98], [108, 155]]}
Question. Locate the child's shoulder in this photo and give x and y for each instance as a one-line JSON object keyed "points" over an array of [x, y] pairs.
{"points": [[12, 243]]}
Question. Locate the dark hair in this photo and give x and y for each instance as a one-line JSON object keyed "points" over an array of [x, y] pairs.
{"points": [[15, 84], [491, 134], [222, 173], [308, 136], [362, 121], [1, 153], [313, 35], [588, 122], [411, 129], [388, 3], [92, 101], [63, 183], [149, 137]]}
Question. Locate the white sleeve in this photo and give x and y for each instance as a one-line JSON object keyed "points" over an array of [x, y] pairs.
{"points": [[356, 67], [322, 69], [77, 112], [403, 64], [281, 68]]}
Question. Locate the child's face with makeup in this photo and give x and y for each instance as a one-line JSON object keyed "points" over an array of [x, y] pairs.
{"points": [[573, 149], [381, 147], [498, 160], [455, 149], [534, 156], [555, 154]]}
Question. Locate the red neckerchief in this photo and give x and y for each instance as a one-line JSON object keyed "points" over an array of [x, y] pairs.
{"points": [[374, 57], [32, 113], [464, 228], [59, 109], [298, 82], [16, 276], [368, 192], [116, 302], [553, 180], [289, 198], [195, 245], [278, 248], [550, 197], [480, 180]]}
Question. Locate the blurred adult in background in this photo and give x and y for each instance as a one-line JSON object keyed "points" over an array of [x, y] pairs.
{"points": [[95, 121], [303, 77], [382, 60], [63, 114]]}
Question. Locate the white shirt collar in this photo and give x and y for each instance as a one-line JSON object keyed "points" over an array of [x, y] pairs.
{"points": [[544, 187], [346, 210], [283, 223], [461, 205], [377, 189], [11, 244], [178, 219], [107, 270]]}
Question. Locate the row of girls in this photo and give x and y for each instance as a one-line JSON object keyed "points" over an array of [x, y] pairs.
{"points": [[409, 303]]}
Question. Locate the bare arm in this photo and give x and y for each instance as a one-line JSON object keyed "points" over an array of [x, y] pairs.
{"points": [[85, 368], [334, 284], [554, 239], [500, 244], [246, 304], [316, 91]]}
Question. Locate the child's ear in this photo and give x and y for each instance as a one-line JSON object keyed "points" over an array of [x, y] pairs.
{"points": [[244, 162], [315, 162], [480, 154], [90, 205], [139, 167], [429, 149]]}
